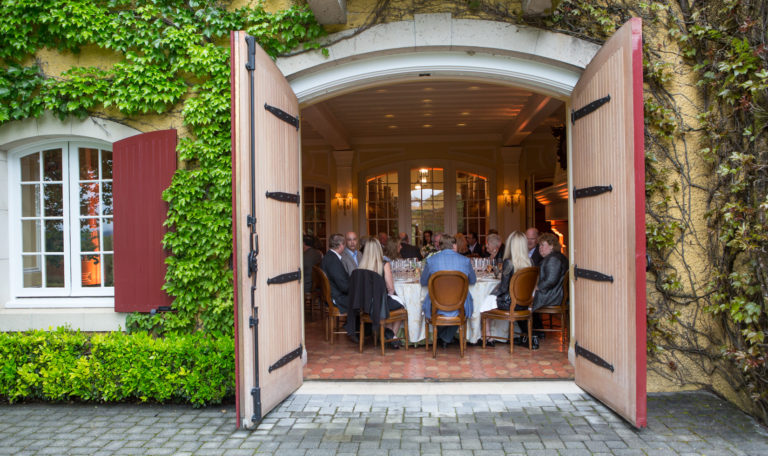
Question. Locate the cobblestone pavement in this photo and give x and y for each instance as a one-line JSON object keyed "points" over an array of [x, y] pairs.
{"points": [[311, 424]]}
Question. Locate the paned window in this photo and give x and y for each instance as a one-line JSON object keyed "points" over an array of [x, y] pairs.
{"points": [[427, 187], [62, 220], [315, 213], [381, 204], [472, 204]]}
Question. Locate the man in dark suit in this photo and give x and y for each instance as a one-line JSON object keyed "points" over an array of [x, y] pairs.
{"points": [[532, 236], [337, 275], [474, 249], [407, 250]]}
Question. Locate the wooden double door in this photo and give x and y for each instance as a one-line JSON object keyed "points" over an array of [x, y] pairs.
{"points": [[607, 191]]}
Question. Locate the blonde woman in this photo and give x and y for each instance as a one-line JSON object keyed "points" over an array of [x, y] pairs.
{"points": [[515, 259], [373, 260]]}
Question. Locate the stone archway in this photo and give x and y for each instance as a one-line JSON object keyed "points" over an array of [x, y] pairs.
{"points": [[439, 46]]}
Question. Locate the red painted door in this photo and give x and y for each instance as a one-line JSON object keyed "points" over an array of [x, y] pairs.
{"points": [[609, 226], [267, 232], [143, 166]]}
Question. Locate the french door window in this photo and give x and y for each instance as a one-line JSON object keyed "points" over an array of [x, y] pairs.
{"points": [[315, 223], [427, 201], [381, 204], [439, 198], [61, 212], [472, 204]]}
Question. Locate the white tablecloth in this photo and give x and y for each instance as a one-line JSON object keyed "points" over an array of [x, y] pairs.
{"points": [[413, 294]]}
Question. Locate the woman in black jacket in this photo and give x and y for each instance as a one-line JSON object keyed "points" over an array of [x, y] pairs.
{"points": [[549, 288], [515, 259]]}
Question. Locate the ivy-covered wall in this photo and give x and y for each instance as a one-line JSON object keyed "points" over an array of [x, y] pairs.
{"points": [[151, 64]]}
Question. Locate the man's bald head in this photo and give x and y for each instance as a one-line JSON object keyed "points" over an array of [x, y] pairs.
{"points": [[351, 241], [532, 237]]}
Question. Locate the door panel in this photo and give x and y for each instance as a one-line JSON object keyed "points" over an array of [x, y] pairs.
{"points": [[609, 227], [268, 354]]}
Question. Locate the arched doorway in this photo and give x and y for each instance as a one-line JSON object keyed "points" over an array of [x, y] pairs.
{"points": [[547, 65]]}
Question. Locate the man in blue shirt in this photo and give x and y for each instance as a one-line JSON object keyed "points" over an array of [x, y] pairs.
{"points": [[447, 259], [352, 256]]}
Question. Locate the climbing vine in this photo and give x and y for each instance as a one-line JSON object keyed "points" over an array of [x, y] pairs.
{"points": [[170, 55]]}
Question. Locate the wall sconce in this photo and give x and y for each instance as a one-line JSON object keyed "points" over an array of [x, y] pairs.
{"points": [[510, 199], [344, 203]]}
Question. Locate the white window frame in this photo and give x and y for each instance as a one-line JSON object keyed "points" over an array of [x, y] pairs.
{"points": [[36, 297], [451, 168]]}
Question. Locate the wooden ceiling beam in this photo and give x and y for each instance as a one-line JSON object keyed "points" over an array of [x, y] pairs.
{"points": [[324, 122], [538, 108]]}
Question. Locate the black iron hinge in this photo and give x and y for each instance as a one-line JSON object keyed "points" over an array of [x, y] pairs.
{"points": [[284, 197], [284, 278], [593, 358], [591, 191], [588, 109], [282, 115], [287, 358], [592, 275], [256, 393], [253, 263], [252, 321]]}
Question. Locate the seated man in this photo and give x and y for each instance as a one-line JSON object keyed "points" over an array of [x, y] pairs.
{"points": [[337, 275], [408, 250], [448, 259]]}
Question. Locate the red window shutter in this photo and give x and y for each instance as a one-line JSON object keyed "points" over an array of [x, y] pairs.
{"points": [[143, 166]]}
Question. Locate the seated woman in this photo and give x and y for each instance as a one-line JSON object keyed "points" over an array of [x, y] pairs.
{"points": [[515, 259], [373, 260], [549, 288], [391, 250]]}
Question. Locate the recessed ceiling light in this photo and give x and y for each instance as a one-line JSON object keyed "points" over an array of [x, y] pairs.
{"points": [[392, 126], [474, 88], [427, 125], [428, 89], [427, 100], [427, 114], [465, 113], [381, 90], [462, 124], [389, 116]]}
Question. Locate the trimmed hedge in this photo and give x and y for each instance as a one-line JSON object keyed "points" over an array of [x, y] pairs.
{"points": [[69, 365]]}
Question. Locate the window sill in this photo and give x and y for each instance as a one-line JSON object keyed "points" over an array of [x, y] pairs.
{"points": [[61, 302]]}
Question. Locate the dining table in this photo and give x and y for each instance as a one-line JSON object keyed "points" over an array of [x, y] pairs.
{"points": [[413, 294]]}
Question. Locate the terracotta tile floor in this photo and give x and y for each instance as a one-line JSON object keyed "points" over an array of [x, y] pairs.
{"points": [[343, 361]]}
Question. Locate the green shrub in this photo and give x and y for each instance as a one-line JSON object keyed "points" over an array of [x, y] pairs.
{"points": [[69, 365]]}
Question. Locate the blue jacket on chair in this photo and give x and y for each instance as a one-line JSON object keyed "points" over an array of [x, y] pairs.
{"points": [[448, 260]]}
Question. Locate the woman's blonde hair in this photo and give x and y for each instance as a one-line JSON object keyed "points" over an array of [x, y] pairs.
{"points": [[517, 250], [461, 243], [373, 259]]}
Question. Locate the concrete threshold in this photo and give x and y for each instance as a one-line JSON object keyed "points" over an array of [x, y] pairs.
{"points": [[379, 388]]}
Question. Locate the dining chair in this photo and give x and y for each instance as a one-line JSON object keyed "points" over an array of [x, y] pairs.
{"points": [[378, 335], [521, 286], [313, 300], [333, 315], [447, 291], [561, 311]]}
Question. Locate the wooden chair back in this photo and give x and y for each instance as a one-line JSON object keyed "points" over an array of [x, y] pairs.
{"points": [[521, 286], [325, 289], [448, 291]]}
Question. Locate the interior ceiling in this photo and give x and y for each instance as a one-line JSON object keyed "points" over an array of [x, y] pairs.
{"points": [[429, 108]]}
